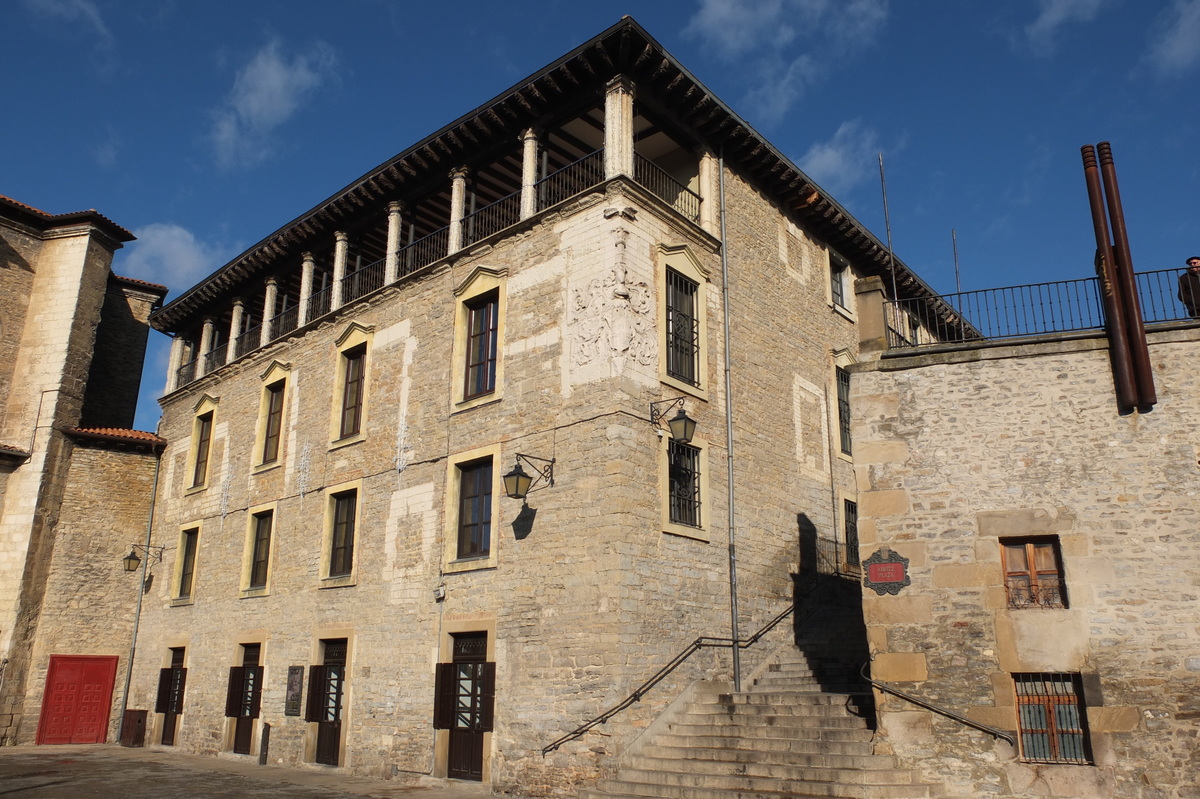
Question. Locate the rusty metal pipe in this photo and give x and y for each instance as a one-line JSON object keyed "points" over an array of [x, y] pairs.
{"points": [[1118, 340], [1139, 350]]}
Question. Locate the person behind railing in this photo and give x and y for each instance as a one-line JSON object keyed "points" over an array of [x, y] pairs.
{"points": [[1189, 287]]}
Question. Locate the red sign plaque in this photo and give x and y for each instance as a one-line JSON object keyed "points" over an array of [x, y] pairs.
{"points": [[886, 572]]}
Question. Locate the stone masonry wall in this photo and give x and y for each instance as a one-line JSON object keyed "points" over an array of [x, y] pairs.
{"points": [[116, 370], [955, 452]]}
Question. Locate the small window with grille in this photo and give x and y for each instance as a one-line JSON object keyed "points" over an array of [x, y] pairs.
{"points": [[1033, 576], [683, 463], [1051, 718]]}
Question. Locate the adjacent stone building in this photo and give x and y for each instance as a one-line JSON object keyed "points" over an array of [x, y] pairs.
{"points": [[1052, 548], [534, 286], [75, 481]]}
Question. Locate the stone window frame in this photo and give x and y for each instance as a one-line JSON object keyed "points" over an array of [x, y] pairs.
{"points": [[321, 636], [332, 493], [1062, 744], [200, 448], [840, 275], [700, 532], [482, 281], [187, 557], [247, 589], [681, 260], [277, 374], [451, 563], [353, 338]]}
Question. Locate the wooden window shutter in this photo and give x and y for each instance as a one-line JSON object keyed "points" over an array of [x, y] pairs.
{"points": [[443, 696], [316, 693], [487, 698], [162, 702], [233, 695], [256, 694]]}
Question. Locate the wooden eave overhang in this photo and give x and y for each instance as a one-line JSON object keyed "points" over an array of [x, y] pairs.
{"points": [[661, 82], [42, 221]]}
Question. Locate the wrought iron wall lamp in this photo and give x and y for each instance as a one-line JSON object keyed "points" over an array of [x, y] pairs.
{"points": [[132, 561], [518, 483], [682, 426]]}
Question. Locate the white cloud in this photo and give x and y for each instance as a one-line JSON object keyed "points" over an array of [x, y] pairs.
{"points": [[169, 254], [1175, 45], [846, 160], [1056, 13], [84, 12], [789, 45], [265, 94]]}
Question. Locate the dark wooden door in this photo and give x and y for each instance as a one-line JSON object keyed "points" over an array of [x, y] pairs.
{"points": [[171, 683], [77, 700], [326, 685], [466, 695]]}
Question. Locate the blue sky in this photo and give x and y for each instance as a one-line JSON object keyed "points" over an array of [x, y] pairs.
{"points": [[204, 126]]}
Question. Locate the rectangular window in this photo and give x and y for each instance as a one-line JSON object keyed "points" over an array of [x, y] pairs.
{"points": [[683, 329], [837, 282], [843, 401], [850, 522], [354, 371], [203, 444], [475, 509], [261, 553], [683, 464], [187, 565], [341, 550], [1051, 719], [1033, 573], [483, 315], [274, 422]]}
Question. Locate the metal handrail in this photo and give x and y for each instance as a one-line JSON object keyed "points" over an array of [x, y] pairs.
{"points": [[662, 673], [950, 714]]}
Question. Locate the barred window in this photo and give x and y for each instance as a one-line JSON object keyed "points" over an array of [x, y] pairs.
{"points": [[683, 463], [837, 282], [353, 379], [341, 549], [843, 401], [187, 567], [1033, 573], [203, 438], [261, 551], [273, 422], [475, 509], [683, 329], [1050, 716]]}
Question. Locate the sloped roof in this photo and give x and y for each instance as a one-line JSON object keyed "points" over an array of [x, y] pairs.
{"points": [[41, 220], [661, 81], [139, 439]]}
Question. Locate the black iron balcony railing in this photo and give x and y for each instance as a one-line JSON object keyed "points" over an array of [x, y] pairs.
{"points": [[1064, 306], [215, 358], [285, 322], [424, 251], [493, 218], [363, 281], [572, 179], [249, 340], [665, 187]]}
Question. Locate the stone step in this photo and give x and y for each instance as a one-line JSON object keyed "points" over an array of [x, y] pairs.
{"points": [[767, 770], [674, 785], [860, 759], [780, 713], [850, 729], [835, 745]]}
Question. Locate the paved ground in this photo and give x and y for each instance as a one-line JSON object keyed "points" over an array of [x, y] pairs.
{"points": [[108, 771]]}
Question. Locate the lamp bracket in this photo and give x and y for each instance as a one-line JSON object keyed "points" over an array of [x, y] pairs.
{"points": [[148, 550], [542, 470], [659, 410]]}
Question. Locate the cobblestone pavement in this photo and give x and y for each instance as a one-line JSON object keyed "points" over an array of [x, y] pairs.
{"points": [[114, 772]]}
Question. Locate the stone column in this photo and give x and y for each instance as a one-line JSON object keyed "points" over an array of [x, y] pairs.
{"points": [[391, 266], [235, 329], [458, 194], [340, 248], [271, 294], [872, 323], [529, 148], [618, 128], [174, 363], [306, 279], [206, 340], [710, 203]]}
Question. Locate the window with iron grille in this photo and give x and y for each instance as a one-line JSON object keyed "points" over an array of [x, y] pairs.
{"points": [[261, 551], [843, 401], [475, 509], [203, 436], [1033, 576], [341, 545], [354, 363], [273, 422], [850, 522], [683, 464], [187, 565], [483, 315], [1051, 719], [683, 329]]}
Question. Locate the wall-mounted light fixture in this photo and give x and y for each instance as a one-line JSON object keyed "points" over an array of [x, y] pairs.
{"points": [[518, 483], [132, 560], [682, 426]]}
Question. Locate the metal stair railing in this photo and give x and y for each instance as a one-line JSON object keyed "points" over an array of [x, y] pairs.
{"points": [[950, 714]]}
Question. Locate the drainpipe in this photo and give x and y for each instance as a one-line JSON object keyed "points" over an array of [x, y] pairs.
{"points": [[733, 601], [137, 613]]}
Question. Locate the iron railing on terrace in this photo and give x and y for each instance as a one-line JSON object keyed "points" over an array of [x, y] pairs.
{"points": [[665, 187], [492, 218], [1064, 306], [363, 281], [571, 179], [318, 303]]}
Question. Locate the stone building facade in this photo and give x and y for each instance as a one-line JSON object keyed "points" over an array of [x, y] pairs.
{"points": [[1051, 545], [72, 339], [518, 288]]}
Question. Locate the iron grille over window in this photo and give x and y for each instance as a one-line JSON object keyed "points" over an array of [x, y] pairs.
{"points": [[482, 324], [683, 462], [1051, 720], [475, 509], [1033, 573], [203, 440], [843, 399], [187, 568], [837, 282], [683, 331]]}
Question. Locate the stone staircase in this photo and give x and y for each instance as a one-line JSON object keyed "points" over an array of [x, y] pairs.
{"points": [[804, 728]]}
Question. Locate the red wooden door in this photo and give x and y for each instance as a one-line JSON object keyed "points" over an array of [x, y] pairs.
{"points": [[77, 700]]}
